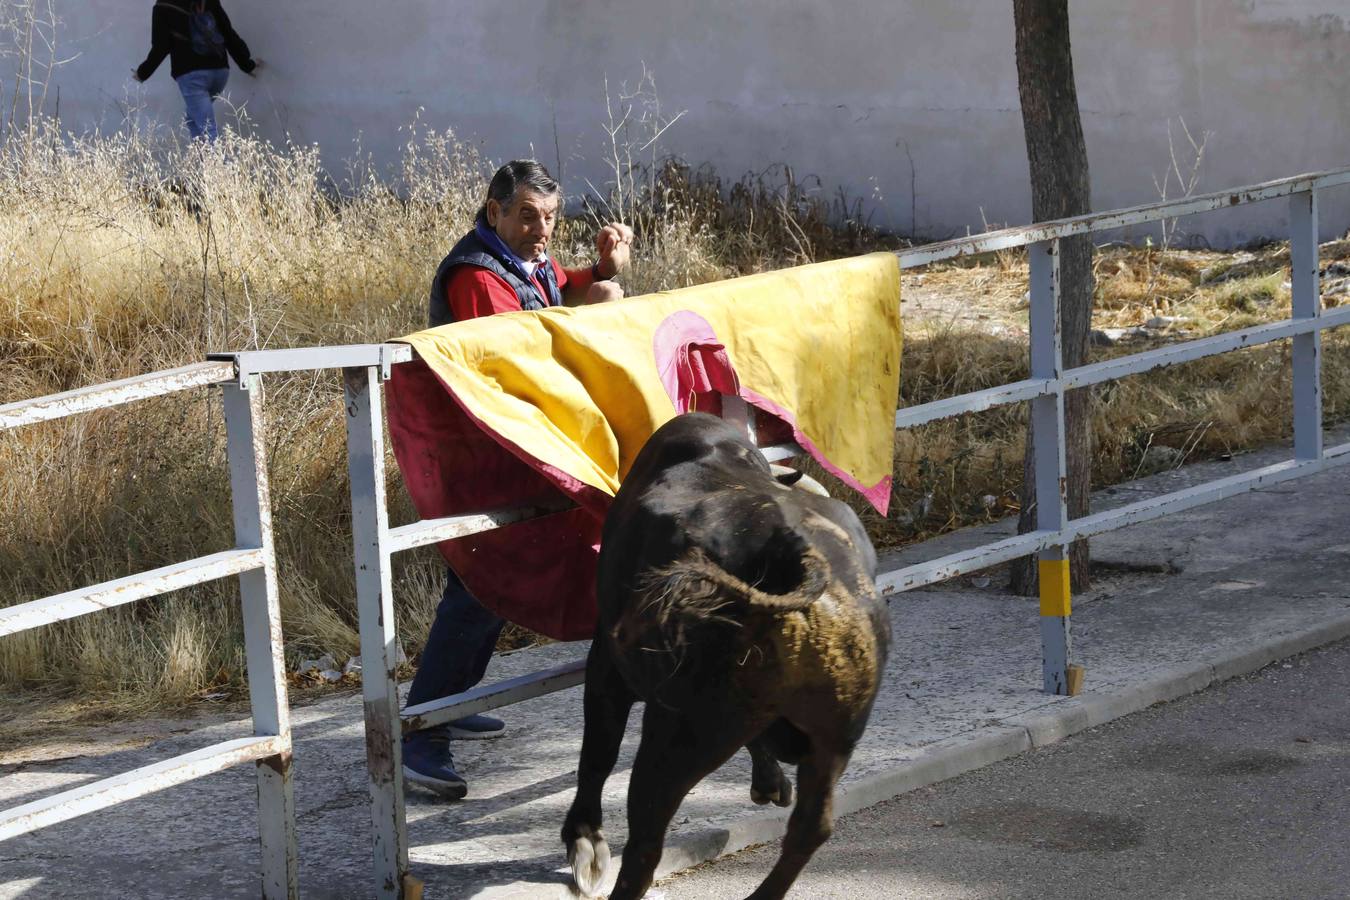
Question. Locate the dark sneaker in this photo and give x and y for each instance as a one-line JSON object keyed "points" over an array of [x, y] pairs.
{"points": [[427, 762], [475, 728]]}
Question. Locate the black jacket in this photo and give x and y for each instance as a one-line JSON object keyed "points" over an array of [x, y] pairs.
{"points": [[169, 36]]}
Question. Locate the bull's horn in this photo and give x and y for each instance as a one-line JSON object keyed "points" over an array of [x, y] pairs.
{"points": [[798, 479]]}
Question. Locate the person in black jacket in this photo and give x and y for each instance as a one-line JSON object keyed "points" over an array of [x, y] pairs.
{"points": [[196, 35]]}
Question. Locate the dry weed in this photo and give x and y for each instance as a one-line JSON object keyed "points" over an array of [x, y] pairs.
{"points": [[130, 253], [125, 254]]}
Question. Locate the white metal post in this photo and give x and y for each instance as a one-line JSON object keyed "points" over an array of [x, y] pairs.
{"points": [[247, 450], [1307, 304], [738, 412], [1047, 429], [375, 608]]}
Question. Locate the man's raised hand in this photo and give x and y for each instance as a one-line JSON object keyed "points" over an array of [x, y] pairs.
{"points": [[613, 242]]}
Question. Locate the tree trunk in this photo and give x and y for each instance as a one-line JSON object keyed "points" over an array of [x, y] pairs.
{"points": [[1057, 157]]}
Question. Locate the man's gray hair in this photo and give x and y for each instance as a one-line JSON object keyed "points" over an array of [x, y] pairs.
{"points": [[517, 175]]}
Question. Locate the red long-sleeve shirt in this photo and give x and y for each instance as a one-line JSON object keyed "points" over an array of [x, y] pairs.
{"points": [[472, 291]]}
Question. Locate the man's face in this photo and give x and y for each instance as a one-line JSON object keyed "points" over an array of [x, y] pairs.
{"points": [[526, 225]]}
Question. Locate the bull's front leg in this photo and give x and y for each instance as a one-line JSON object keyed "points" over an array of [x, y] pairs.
{"points": [[607, 703]]}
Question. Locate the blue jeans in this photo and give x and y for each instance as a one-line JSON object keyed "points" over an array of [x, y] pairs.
{"points": [[463, 636], [199, 90]]}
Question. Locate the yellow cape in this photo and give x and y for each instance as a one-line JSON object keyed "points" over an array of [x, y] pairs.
{"points": [[579, 388]]}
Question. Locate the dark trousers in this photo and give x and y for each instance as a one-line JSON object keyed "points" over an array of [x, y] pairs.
{"points": [[459, 647]]}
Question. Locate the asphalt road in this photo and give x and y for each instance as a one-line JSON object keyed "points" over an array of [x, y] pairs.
{"points": [[1241, 791]]}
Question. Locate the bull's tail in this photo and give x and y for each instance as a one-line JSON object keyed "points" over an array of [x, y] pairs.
{"points": [[697, 589], [678, 605]]}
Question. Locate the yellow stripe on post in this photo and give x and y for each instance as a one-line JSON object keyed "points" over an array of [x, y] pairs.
{"points": [[1055, 587]]}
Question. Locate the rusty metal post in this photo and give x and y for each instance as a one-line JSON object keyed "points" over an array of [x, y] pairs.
{"points": [[247, 450], [375, 609], [1047, 415], [1306, 300]]}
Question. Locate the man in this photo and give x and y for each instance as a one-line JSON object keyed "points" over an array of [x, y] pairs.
{"points": [[196, 35], [501, 265]]}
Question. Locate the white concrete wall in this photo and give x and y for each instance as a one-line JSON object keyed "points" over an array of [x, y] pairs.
{"points": [[849, 90]]}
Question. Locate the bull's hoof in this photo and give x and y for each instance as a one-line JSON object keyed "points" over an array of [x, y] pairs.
{"points": [[588, 855], [781, 796]]}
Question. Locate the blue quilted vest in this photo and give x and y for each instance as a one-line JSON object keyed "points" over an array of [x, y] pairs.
{"points": [[474, 251]]}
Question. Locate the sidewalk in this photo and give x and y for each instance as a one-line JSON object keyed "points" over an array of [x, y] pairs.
{"points": [[1178, 604]]}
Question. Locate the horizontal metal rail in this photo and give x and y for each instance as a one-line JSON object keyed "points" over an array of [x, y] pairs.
{"points": [[303, 359], [976, 401], [107, 792], [964, 562], [113, 393], [126, 590], [399, 353], [1008, 238], [779, 452], [1112, 369], [503, 693], [433, 531], [1137, 363], [1219, 489], [982, 557]]}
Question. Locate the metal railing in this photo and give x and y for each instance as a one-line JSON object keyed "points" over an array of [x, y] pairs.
{"points": [[366, 366], [252, 560], [1045, 391], [1049, 381]]}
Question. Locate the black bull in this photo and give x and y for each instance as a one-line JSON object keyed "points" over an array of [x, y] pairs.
{"points": [[745, 614]]}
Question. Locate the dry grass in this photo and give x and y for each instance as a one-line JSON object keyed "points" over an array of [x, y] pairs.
{"points": [[127, 254], [122, 255]]}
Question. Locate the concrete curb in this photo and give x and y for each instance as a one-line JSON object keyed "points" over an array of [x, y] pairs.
{"points": [[973, 750]]}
